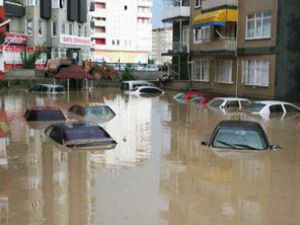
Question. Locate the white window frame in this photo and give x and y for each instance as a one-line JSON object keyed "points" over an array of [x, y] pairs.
{"points": [[52, 29], [258, 79], [200, 67], [204, 34], [225, 78], [27, 27], [257, 18], [198, 3], [40, 27]]}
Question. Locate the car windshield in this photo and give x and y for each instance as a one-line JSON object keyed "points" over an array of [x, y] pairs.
{"points": [[179, 96], [44, 115], [88, 132], [216, 103], [98, 111], [239, 138], [255, 107]]}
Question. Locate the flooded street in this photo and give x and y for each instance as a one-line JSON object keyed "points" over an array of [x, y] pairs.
{"points": [[158, 174]]}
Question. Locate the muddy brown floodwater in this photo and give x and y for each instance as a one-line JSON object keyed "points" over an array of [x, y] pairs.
{"points": [[158, 173]]}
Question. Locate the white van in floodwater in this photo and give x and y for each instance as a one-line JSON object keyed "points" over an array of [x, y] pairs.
{"points": [[133, 84]]}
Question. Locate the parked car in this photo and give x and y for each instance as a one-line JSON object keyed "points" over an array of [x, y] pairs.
{"points": [[80, 135], [145, 90], [239, 135], [151, 67], [179, 97], [44, 114], [229, 103], [93, 111], [266, 109], [133, 84], [47, 88]]}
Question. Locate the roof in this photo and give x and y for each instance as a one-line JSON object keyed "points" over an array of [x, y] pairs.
{"points": [[42, 108], [270, 102], [136, 81], [73, 71], [249, 125], [231, 98], [50, 85], [92, 104], [74, 125]]}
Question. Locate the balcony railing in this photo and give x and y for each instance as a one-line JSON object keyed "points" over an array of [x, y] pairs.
{"points": [[224, 44], [178, 48], [176, 9], [210, 4]]}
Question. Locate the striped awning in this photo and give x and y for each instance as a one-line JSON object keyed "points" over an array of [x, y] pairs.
{"points": [[217, 18]]}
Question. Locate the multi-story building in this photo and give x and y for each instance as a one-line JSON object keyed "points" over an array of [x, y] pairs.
{"points": [[61, 27], [161, 43], [246, 48], [177, 13], [122, 31]]}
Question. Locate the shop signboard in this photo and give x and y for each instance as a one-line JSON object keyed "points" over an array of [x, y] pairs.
{"points": [[75, 40]]}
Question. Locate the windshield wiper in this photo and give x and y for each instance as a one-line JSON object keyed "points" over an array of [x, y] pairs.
{"points": [[238, 146]]}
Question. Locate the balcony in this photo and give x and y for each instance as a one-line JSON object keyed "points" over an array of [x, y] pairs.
{"points": [[147, 3], [176, 10], [177, 49], [219, 45], [144, 14], [208, 5], [14, 9], [99, 23]]}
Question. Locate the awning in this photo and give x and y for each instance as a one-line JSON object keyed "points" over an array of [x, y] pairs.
{"points": [[217, 18], [73, 71]]}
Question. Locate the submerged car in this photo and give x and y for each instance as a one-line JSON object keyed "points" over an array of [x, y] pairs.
{"points": [[267, 109], [147, 90], [80, 135], [239, 135], [229, 103], [47, 88], [92, 109], [201, 98], [132, 85], [35, 114]]}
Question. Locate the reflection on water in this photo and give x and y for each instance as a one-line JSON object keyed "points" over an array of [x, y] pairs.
{"points": [[157, 174]]}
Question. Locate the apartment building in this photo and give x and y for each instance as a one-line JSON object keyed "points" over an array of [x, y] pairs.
{"points": [[161, 43], [177, 13], [246, 48], [122, 31], [60, 27]]}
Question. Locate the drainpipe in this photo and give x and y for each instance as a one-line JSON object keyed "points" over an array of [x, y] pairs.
{"points": [[236, 54]]}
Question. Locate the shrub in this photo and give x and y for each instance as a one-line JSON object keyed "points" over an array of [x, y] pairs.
{"points": [[128, 75]]}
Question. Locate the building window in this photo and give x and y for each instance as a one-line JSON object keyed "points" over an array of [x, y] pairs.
{"points": [[202, 34], [118, 42], [113, 42], [31, 2], [198, 3], [125, 7], [225, 72], [54, 28], [71, 28], [201, 70], [79, 30], [40, 27], [85, 31], [63, 28], [256, 72], [258, 25], [29, 27]]}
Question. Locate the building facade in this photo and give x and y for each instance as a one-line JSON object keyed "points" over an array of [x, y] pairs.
{"points": [[161, 43], [122, 31], [246, 48], [60, 28], [177, 13]]}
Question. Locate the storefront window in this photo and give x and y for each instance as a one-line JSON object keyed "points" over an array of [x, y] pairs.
{"points": [[62, 52], [55, 53]]}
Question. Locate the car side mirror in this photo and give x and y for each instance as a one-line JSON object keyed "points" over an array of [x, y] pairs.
{"points": [[205, 143], [275, 147]]}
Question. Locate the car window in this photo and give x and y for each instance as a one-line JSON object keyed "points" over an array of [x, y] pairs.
{"points": [[59, 89], [276, 109], [90, 132], [216, 103], [255, 107], [43, 89], [98, 111], [57, 135], [125, 86], [150, 90], [233, 105], [244, 103], [44, 115], [240, 138], [291, 109]]}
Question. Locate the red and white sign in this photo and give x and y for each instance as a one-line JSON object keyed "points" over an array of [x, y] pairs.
{"points": [[75, 40], [16, 39]]}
